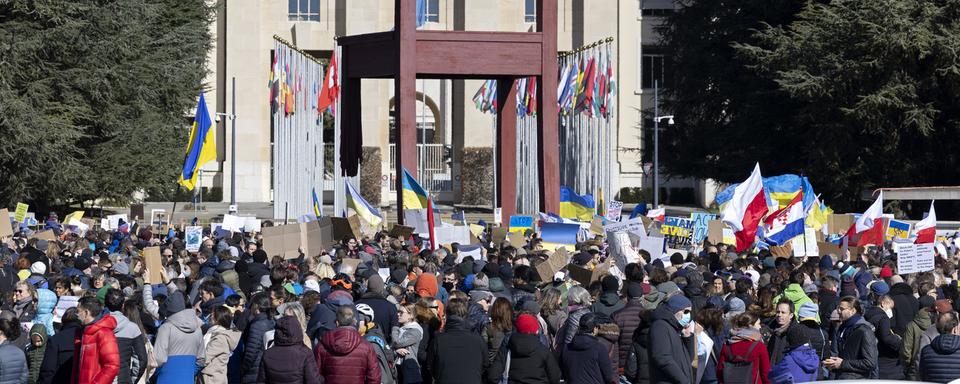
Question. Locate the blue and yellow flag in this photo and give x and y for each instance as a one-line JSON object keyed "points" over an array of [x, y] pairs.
{"points": [[201, 147], [316, 204], [414, 196], [366, 211], [574, 206]]}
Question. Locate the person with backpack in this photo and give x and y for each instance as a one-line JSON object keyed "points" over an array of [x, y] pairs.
{"points": [[856, 344], [526, 359], [366, 318], [671, 350], [744, 358]]}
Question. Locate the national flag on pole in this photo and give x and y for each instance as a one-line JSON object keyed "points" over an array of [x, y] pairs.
{"points": [[786, 223], [414, 196], [201, 147], [331, 86], [868, 229], [316, 204], [367, 212], [818, 215], [926, 229], [745, 209], [430, 223], [575, 206]]}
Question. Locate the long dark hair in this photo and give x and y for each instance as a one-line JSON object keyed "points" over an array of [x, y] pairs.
{"points": [[501, 315], [131, 309]]}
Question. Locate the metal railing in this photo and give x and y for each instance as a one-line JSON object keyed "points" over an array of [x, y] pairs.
{"points": [[433, 171]]}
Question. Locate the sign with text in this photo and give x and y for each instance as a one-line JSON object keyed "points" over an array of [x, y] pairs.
{"points": [[614, 210], [701, 221], [194, 236], [636, 226], [521, 223], [915, 258], [21, 212], [677, 231]]}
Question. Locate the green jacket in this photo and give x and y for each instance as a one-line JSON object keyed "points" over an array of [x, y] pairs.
{"points": [[911, 343], [35, 353], [795, 293]]}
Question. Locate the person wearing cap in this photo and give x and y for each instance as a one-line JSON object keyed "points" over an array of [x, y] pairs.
{"points": [[670, 332], [585, 360], [940, 361], [911, 337], [888, 343], [855, 344], [810, 324], [529, 360]]}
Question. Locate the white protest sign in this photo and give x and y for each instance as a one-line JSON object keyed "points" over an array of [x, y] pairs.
{"points": [[634, 226], [251, 225], [498, 215], [63, 304], [384, 273], [622, 249], [417, 218], [614, 210], [915, 258], [469, 250], [194, 236], [450, 235], [232, 223], [654, 246], [806, 244], [114, 220]]}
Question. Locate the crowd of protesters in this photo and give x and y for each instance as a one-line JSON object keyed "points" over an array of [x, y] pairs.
{"points": [[84, 309]]}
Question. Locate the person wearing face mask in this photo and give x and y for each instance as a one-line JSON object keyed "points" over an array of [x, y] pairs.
{"points": [[670, 331], [744, 350], [888, 342]]}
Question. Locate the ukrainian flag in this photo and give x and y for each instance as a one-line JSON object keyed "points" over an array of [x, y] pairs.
{"points": [[201, 147], [818, 215], [316, 204], [366, 211], [414, 196], [574, 206]]}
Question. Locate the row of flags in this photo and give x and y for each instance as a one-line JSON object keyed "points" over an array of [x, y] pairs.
{"points": [[746, 211], [287, 87]]}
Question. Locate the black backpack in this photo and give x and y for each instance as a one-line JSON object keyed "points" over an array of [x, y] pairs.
{"points": [[738, 369]]}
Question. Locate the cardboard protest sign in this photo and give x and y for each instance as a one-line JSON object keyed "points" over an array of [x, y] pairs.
{"points": [[636, 226], [596, 226], [614, 210], [677, 231], [785, 250], [450, 235], [401, 231], [313, 237], [897, 229], [521, 223], [653, 245], [5, 228], [701, 222], [194, 236], [517, 239], [499, 235], [839, 223], [21, 212], [151, 257], [585, 276], [348, 266], [279, 239], [354, 222], [553, 264], [136, 211], [914, 258], [45, 235]]}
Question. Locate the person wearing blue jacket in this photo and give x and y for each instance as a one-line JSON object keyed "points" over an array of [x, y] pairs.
{"points": [[800, 363], [585, 360], [46, 302]]}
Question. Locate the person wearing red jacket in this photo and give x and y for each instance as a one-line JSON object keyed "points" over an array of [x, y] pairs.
{"points": [[745, 341], [97, 361], [343, 356]]}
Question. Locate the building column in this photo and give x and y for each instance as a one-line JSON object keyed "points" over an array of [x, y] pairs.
{"points": [[405, 93], [547, 121], [507, 145]]}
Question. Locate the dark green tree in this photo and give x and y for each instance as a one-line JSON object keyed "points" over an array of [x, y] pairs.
{"points": [[94, 95]]}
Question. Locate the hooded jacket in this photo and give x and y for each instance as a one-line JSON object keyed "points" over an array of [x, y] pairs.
{"points": [[530, 362], [457, 355], [671, 358], [46, 302], [586, 361], [911, 343], [221, 343], [856, 344], [289, 360], [179, 342], [35, 353], [385, 312], [607, 304], [795, 293], [97, 360], [628, 320], [133, 351], [888, 345], [344, 357], [940, 361], [253, 344], [799, 365], [58, 357], [905, 307], [13, 364]]}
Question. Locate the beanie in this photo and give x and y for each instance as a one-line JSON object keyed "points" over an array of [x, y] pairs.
{"points": [[38, 268], [678, 302], [885, 272], [879, 287], [634, 290], [610, 283], [527, 324], [826, 262]]}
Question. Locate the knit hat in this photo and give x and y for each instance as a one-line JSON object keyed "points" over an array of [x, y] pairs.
{"points": [[846, 270], [927, 303], [879, 287], [527, 324], [634, 290], [121, 268], [531, 306], [735, 305], [174, 303], [38, 268], [668, 287], [826, 262], [678, 302], [808, 311], [885, 272], [610, 283], [476, 295]]}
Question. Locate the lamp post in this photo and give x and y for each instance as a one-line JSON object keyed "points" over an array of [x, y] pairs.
{"points": [[656, 142], [233, 144]]}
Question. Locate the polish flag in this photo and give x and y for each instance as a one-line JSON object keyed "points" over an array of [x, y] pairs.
{"points": [[745, 210], [657, 214], [868, 229], [926, 229]]}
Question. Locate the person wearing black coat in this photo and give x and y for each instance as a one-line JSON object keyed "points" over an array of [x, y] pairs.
{"points": [[457, 355], [57, 365], [940, 361], [856, 345], [888, 342], [637, 364], [905, 307], [585, 359], [609, 301], [530, 361], [628, 320], [385, 312], [671, 352], [289, 360], [253, 340]]}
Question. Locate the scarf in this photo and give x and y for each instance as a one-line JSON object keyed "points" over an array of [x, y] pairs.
{"points": [[21, 306], [748, 334], [783, 328]]}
